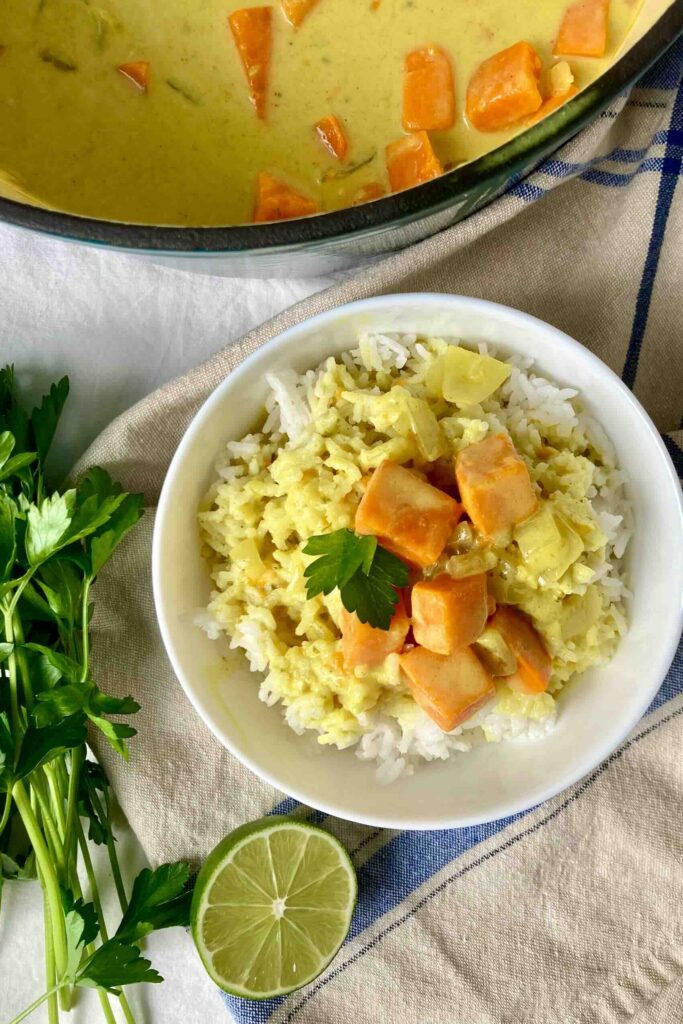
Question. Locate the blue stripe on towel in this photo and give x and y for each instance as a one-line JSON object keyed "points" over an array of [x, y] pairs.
{"points": [[589, 172], [673, 163], [676, 454]]}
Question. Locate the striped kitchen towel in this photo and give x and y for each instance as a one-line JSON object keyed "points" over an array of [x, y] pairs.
{"points": [[570, 912]]}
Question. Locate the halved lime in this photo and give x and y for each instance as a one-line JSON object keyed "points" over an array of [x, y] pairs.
{"points": [[271, 906]]}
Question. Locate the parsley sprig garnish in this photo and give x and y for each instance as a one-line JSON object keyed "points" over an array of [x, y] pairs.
{"points": [[53, 544], [367, 575]]}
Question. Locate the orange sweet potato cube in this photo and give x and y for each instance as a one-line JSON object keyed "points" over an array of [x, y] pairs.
{"points": [[449, 688], [411, 160], [495, 486], [407, 515], [296, 10], [363, 646], [449, 613], [428, 91], [252, 31], [504, 89], [137, 72], [275, 200], [583, 32], [533, 661]]}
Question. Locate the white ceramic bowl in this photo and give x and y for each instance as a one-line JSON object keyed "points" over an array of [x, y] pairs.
{"points": [[494, 780]]}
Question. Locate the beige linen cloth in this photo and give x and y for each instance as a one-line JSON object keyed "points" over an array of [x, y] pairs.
{"points": [[570, 913]]}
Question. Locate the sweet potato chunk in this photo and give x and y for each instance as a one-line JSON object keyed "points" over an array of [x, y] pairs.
{"points": [[504, 89], [137, 72], [366, 193], [411, 160], [583, 32], [428, 92], [296, 10], [449, 613], [333, 137], [275, 200], [495, 486], [251, 29], [449, 688], [408, 516], [533, 661], [364, 646]]}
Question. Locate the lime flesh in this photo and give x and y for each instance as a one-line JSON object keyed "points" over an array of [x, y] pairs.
{"points": [[271, 907]]}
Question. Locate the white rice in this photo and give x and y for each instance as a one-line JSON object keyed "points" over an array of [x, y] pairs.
{"points": [[532, 403]]}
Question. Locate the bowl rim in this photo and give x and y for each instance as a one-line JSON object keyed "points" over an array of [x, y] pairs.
{"points": [[671, 630], [486, 173]]}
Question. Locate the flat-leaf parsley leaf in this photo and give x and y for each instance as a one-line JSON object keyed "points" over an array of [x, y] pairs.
{"points": [[367, 575]]}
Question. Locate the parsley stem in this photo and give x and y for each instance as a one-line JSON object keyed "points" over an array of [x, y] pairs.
{"points": [[70, 840], [7, 811], [116, 872], [21, 662], [92, 880], [50, 979], [38, 1002], [12, 672], [50, 882], [21, 585], [95, 897], [85, 637], [52, 836], [56, 799], [106, 1005], [111, 849]]}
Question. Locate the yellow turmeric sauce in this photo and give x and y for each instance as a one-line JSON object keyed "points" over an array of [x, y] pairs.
{"points": [[79, 135]]}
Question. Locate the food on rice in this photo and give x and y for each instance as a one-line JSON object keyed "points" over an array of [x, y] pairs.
{"points": [[491, 483]]}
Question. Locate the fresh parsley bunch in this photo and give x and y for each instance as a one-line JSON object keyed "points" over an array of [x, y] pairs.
{"points": [[52, 546], [367, 575]]}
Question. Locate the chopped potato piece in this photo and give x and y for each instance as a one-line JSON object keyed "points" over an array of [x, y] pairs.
{"points": [[548, 544], [449, 688], [449, 613], [505, 88], [411, 160], [560, 79], [579, 613], [471, 563], [533, 661], [495, 653], [363, 646], [561, 87], [247, 554], [495, 486], [464, 377], [583, 32], [408, 516]]}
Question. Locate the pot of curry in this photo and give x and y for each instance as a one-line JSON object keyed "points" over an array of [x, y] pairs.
{"points": [[304, 134]]}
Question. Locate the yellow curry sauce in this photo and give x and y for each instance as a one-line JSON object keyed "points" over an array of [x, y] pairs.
{"points": [[78, 135]]}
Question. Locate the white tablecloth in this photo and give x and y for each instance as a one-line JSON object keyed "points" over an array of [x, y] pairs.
{"points": [[119, 326]]}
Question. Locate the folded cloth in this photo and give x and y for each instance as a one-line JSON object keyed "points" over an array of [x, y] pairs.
{"points": [[571, 911]]}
